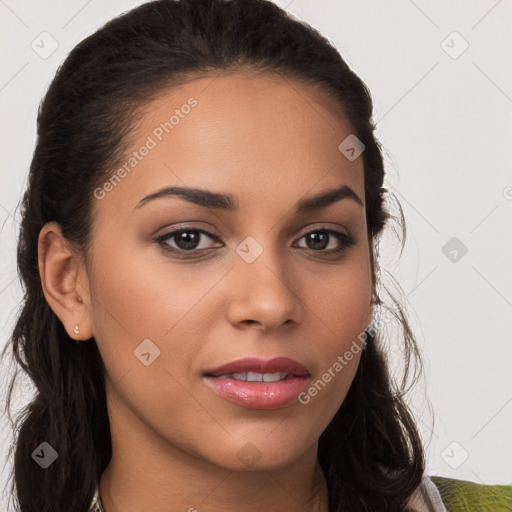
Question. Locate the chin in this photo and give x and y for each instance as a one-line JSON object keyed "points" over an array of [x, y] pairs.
{"points": [[262, 453]]}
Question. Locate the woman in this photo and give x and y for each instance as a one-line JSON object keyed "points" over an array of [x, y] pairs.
{"points": [[202, 217]]}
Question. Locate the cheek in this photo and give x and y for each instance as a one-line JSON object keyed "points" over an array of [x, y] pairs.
{"points": [[139, 297], [143, 296], [141, 307], [135, 299], [341, 311], [339, 357], [341, 299]]}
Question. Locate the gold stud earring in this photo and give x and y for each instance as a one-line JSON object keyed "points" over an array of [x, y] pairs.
{"points": [[76, 331]]}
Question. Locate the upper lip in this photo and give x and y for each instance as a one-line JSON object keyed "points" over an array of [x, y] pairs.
{"points": [[254, 364]]}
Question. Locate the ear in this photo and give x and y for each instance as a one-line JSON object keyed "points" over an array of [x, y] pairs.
{"points": [[64, 281]]}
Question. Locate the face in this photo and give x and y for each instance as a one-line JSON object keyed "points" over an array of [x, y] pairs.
{"points": [[251, 276]]}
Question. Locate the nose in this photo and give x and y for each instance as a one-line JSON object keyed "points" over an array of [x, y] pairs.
{"points": [[262, 294]]}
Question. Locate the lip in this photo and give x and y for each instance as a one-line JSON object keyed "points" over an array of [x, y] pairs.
{"points": [[255, 364], [259, 395]]}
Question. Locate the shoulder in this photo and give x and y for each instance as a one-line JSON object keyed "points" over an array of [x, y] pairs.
{"points": [[466, 496]]}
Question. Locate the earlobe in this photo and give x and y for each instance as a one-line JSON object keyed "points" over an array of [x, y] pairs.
{"points": [[59, 269]]}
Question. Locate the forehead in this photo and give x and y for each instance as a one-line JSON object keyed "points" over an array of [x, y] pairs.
{"points": [[262, 137]]}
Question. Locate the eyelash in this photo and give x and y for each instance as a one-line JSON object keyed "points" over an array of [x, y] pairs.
{"points": [[345, 239]]}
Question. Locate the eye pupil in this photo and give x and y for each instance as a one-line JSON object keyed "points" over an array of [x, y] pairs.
{"points": [[190, 238], [318, 238]]}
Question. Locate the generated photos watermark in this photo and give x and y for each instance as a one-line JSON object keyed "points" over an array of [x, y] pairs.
{"points": [[152, 141]]}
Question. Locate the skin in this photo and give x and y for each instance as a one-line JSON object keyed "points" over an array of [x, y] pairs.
{"points": [[269, 141]]}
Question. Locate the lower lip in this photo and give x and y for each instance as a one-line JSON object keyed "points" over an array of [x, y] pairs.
{"points": [[258, 395]]}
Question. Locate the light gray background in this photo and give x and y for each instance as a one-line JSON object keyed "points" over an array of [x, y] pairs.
{"points": [[445, 123]]}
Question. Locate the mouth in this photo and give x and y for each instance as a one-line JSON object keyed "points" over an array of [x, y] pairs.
{"points": [[258, 384], [255, 376], [254, 369]]}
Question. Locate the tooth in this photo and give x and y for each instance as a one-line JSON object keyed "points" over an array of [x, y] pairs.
{"points": [[256, 376], [273, 377]]}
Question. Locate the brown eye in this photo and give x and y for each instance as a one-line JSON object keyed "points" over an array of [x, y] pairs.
{"points": [[319, 240], [185, 240]]}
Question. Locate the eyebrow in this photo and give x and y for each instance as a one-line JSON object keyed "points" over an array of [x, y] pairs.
{"points": [[228, 202]]}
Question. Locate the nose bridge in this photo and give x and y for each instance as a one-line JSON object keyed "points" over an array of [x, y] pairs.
{"points": [[261, 263], [264, 292]]}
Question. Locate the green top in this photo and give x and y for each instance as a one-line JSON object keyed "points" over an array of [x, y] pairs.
{"points": [[465, 496]]}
